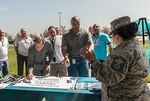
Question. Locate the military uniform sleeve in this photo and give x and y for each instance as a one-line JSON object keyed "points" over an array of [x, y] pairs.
{"points": [[30, 60], [112, 71]]}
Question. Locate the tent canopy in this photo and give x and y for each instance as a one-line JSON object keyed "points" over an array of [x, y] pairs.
{"points": [[139, 32]]}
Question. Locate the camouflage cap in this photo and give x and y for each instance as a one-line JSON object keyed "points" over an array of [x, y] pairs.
{"points": [[120, 22]]}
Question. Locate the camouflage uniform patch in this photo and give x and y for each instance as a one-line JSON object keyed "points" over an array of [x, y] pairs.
{"points": [[118, 64]]}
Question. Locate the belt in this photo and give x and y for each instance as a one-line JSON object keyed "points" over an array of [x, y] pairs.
{"points": [[57, 63]]}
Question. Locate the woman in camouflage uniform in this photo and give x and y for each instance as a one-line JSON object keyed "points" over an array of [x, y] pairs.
{"points": [[123, 74]]}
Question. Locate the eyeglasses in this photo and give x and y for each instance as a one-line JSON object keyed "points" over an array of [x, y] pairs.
{"points": [[95, 26]]}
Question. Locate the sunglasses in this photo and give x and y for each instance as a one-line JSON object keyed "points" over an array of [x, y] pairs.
{"points": [[95, 26]]}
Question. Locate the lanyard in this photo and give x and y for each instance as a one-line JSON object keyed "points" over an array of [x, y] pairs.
{"points": [[95, 39], [2, 43], [25, 39]]}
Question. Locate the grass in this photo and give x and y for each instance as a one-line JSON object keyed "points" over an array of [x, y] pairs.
{"points": [[12, 59]]}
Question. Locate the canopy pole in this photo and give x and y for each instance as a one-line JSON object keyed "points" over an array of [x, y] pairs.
{"points": [[143, 20], [147, 28]]}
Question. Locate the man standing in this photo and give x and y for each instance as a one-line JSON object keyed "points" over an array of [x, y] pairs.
{"points": [[57, 67], [57, 31], [3, 53], [22, 44], [100, 40], [72, 42]]}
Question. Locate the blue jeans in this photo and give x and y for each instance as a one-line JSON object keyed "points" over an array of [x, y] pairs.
{"points": [[78, 67], [4, 66]]}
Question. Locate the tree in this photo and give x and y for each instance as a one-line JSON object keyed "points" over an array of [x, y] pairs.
{"points": [[64, 30], [106, 30], [45, 33], [9, 36]]}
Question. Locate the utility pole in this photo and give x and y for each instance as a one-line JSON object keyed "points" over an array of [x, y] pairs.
{"points": [[59, 13]]}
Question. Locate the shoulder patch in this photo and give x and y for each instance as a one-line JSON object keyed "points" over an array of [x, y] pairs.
{"points": [[119, 64]]}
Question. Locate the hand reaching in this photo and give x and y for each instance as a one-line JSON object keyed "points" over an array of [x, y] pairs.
{"points": [[30, 76], [87, 54], [66, 61]]}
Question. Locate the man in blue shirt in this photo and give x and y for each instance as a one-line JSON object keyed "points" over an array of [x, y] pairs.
{"points": [[100, 40]]}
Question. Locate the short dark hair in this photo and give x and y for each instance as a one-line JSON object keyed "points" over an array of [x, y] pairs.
{"points": [[75, 18], [51, 27], [127, 32]]}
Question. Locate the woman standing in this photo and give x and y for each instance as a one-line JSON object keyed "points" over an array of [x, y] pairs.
{"points": [[124, 72]]}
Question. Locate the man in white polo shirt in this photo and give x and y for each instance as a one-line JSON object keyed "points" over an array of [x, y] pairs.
{"points": [[22, 44], [3, 53]]}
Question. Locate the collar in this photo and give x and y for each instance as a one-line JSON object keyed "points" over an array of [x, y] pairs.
{"points": [[126, 42], [2, 38], [78, 33]]}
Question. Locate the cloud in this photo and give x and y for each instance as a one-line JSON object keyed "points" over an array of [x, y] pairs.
{"points": [[3, 9]]}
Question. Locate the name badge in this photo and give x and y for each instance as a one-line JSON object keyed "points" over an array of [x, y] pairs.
{"points": [[73, 61]]}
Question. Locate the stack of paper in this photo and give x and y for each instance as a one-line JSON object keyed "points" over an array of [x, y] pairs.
{"points": [[51, 82], [3, 85], [94, 86]]}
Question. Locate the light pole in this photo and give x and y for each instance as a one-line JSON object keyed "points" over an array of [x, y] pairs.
{"points": [[59, 13]]}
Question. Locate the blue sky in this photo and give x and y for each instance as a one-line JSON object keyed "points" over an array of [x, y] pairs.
{"points": [[38, 15]]}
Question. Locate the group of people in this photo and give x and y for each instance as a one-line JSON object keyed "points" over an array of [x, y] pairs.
{"points": [[123, 72], [42, 57]]}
